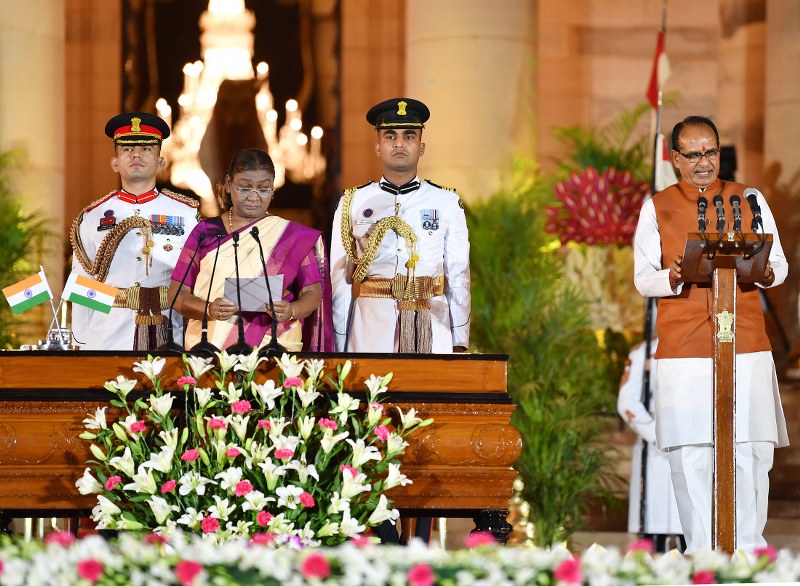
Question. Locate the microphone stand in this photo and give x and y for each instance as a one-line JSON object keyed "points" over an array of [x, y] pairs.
{"points": [[171, 345], [240, 347], [204, 346], [273, 349]]}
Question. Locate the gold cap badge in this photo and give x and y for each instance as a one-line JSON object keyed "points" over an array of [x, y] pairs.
{"points": [[135, 122], [401, 108]]}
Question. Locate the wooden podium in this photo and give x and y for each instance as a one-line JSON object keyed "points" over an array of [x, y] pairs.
{"points": [[723, 260], [460, 465]]}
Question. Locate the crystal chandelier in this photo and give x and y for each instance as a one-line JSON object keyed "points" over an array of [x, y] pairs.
{"points": [[227, 51]]}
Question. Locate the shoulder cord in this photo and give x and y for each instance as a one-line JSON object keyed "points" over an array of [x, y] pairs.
{"points": [[400, 227], [105, 252]]}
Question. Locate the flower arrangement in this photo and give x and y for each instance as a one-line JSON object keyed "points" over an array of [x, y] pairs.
{"points": [[244, 458], [152, 560]]}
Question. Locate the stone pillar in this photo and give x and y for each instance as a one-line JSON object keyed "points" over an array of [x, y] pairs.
{"points": [[472, 63], [781, 148], [32, 115]]}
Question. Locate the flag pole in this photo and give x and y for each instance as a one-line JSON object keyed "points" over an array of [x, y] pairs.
{"points": [[55, 312], [649, 307]]}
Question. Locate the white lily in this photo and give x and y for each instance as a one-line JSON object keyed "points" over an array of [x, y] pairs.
{"points": [[362, 453], [198, 365], [88, 484], [255, 501], [305, 426], [276, 426], [203, 395], [104, 511], [191, 518], [98, 420], [303, 470], [249, 363], [239, 425], [374, 413], [352, 486], [123, 463], [338, 504], [307, 396], [267, 392], [161, 405], [383, 513], [143, 481], [128, 421], [290, 366], [286, 442], [376, 386], [167, 530], [227, 361], [193, 482], [409, 419], [220, 509], [328, 529], [395, 444], [161, 508], [272, 473], [288, 496], [232, 393], [151, 367], [314, 368], [170, 438], [395, 478], [344, 404], [120, 386], [346, 370], [161, 460], [258, 453], [329, 440], [349, 526], [229, 478]]}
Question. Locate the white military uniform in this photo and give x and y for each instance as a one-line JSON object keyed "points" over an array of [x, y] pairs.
{"points": [[437, 218], [661, 510], [94, 330], [684, 407]]}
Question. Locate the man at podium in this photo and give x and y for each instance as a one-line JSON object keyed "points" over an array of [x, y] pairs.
{"points": [[683, 369]]}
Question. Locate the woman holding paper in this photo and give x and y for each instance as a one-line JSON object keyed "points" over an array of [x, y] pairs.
{"points": [[294, 255]]}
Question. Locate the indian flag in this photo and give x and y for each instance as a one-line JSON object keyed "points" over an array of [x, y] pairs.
{"points": [[93, 294], [28, 293]]}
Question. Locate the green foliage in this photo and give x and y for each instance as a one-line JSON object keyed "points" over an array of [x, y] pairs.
{"points": [[559, 375], [23, 237]]}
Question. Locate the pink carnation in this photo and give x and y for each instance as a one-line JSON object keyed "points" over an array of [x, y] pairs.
{"points": [[217, 423], [152, 538], [90, 570], [329, 423], [263, 424], [186, 571], [360, 540], [569, 571], [382, 432], [479, 538], [209, 525], [244, 487], [112, 482], [645, 545], [190, 455], [376, 406], [767, 551], [293, 381], [168, 486], [138, 426], [59, 537], [315, 566], [704, 577], [352, 470], [263, 518], [284, 454], [232, 452], [262, 538], [186, 380], [241, 407], [421, 575], [307, 500]]}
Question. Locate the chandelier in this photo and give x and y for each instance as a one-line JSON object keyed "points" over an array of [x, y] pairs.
{"points": [[227, 54]]}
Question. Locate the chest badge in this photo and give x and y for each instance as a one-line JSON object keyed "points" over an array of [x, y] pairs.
{"points": [[108, 221], [169, 225], [367, 213], [430, 219]]}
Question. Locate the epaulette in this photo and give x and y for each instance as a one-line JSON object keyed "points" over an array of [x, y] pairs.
{"points": [[97, 202], [189, 201], [453, 189], [354, 189]]}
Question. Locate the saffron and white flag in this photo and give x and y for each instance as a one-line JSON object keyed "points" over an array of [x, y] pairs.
{"points": [[28, 293], [660, 73], [664, 172], [90, 293]]}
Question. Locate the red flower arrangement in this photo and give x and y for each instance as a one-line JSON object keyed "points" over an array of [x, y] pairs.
{"points": [[597, 208]]}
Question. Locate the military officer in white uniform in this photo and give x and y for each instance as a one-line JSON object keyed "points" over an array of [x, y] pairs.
{"points": [[400, 250], [131, 239]]}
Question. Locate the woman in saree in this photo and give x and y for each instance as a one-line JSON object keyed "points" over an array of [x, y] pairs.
{"points": [[303, 313]]}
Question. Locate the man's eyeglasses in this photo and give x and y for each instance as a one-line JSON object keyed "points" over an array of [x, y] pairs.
{"points": [[246, 192], [694, 157]]}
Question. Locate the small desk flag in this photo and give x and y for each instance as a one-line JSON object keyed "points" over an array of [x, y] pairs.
{"points": [[90, 293], [28, 293]]}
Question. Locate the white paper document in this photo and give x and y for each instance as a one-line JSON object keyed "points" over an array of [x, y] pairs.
{"points": [[253, 291]]}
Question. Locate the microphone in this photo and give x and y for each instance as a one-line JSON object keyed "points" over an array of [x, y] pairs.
{"points": [[274, 348], [240, 347], [718, 201], [752, 199], [737, 213], [702, 204], [171, 345], [204, 346]]}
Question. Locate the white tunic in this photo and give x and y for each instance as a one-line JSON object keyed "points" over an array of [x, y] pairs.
{"points": [[442, 247], [661, 509], [94, 330], [684, 385]]}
